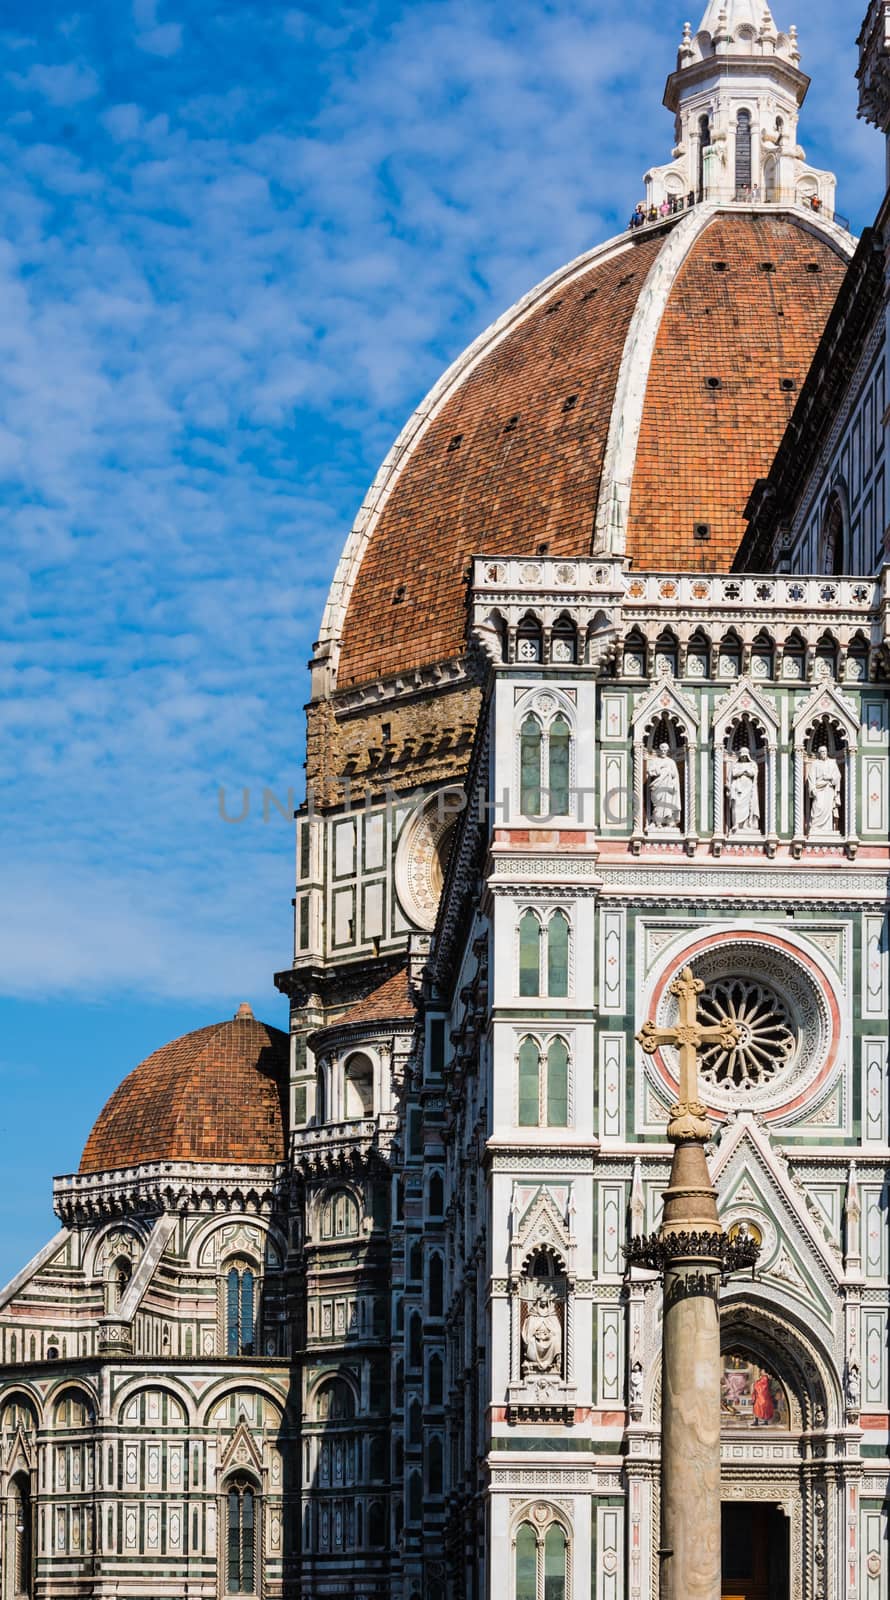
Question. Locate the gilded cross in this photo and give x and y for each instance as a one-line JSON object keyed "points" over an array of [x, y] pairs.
{"points": [[688, 1116]]}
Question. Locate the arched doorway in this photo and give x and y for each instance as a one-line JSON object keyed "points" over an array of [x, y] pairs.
{"points": [[783, 1511]]}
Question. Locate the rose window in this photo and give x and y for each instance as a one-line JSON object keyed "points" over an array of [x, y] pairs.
{"points": [[780, 1005], [767, 1035]]}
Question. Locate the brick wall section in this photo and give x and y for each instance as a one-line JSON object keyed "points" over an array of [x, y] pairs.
{"points": [[499, 491], [701, 449], [430, 738], [218, 1094]]}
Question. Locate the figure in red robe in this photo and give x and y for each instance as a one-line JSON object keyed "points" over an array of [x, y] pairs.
{"points": [[764, 1405]]}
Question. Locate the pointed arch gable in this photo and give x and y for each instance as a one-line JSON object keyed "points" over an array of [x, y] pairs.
{"points": [[664, 698], [826, 700], [746, 702], [665, 701], [542, 1227], [826, 703]]}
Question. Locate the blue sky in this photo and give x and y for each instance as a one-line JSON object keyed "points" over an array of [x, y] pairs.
{"points": [[238, 245]]}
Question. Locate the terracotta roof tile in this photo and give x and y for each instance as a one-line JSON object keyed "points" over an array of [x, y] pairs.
{"points": [[498, 489], [510, 485], [390, 1003], [216, 1095], [747, 329]]}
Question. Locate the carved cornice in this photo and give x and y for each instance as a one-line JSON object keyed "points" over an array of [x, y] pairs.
{"points": [[438, 676], [80, 1199], [344, 1148]]}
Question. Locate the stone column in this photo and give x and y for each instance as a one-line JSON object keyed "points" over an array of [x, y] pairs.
{"points": [[690, 1383], [691, 1251]]}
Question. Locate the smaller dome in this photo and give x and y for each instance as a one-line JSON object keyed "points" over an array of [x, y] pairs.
{"points": [[216, 1095]]}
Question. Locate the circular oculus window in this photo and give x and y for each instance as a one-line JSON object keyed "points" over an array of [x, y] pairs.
{"points": [[780, 1010], [422, 856]]}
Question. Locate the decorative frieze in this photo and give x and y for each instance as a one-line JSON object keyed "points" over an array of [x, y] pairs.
{"points": [[83, 1198]]}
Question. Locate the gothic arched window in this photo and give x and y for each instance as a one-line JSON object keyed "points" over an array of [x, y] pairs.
{"points": [[526, 1563], [376, 1524], [729, 660], [530, 740], [834, 553], [240, 1310], [704, 140], [434, 1465], [22, 1538], [555, 1550], [415, 1340], [541, 1565], [543, 1099], [529, 639], [18, 1412], [435, 1381], [358, 1085], [794, 657], [436, 1195], [241, 1521], [529, 1084], [529, 955], [762, 656], [743, 169], [558, 955], [340, 1217], [557, 1084], [564, 641], [560, 767], [437, 1286], [698, 655]]}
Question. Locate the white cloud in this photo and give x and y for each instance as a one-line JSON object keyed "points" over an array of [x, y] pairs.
{"points": [[163, 41], [66, 83], [155, 38], [218, 301]]}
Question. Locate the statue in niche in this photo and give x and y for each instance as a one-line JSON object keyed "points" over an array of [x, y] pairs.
{"points": [[663, 782], [824, 790], [636, 1386], [852, 1390], [542, 1335], [743, 784]]}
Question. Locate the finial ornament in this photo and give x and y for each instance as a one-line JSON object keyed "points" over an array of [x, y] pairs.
{"points": [[737, 60], [689, 1117]]}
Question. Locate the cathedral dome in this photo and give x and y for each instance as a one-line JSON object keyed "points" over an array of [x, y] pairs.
{"points": [[216, 1095], [625, 406]]}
